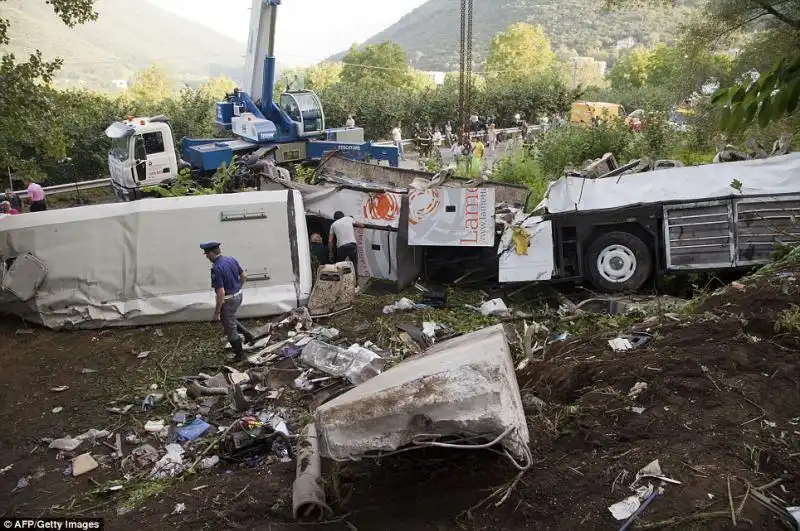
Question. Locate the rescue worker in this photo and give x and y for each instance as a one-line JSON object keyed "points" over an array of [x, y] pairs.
{"points": [[344, 235], [227, 279]]}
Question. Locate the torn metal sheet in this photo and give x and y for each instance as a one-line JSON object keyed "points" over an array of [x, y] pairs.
{"points": [[762, 177], [464, 386], [139, 263], [538, 263]]}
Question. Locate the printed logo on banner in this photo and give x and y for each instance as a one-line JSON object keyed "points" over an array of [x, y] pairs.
{"points": [[452, 217], [384, 207]]}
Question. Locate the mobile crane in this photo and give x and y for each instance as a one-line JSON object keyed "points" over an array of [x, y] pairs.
{"points": [[291, 130]]}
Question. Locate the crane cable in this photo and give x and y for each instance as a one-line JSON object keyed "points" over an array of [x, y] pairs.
{"points": [[465, 81]]}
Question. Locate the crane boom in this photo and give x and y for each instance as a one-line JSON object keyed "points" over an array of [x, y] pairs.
{"points": [[260, 62]]}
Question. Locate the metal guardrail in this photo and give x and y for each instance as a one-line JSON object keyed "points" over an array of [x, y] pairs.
{"points": [[506, 131], [71, 187]]}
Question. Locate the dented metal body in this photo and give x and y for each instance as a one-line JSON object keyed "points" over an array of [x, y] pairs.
{"points": [[462, 387], [139, 263]]}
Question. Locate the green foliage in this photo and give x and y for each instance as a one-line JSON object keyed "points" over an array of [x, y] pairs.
{"points": [[520, 167], [152, 84], [304, 175], [522, 51], [377, 66], [580, 27], [788, 321], [572, 146], [774, 95]]}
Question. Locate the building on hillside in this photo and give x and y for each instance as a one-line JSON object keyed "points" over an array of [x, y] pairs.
{"points": [[436, 77], [121, 84], [626, 44]]}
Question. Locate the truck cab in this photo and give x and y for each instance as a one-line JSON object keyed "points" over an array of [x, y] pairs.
{"points": [[142, 154]]}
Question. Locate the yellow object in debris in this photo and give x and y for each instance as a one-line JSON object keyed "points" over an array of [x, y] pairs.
{"points": [[521, 239]]}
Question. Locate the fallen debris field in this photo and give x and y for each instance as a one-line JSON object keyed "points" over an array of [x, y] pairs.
{"points": [[712, 393]]}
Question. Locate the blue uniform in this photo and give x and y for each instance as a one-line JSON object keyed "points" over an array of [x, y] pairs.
{"points": [[225, 274]]}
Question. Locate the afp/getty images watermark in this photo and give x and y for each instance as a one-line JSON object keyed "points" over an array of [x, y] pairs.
{"points": [[56, 524]]}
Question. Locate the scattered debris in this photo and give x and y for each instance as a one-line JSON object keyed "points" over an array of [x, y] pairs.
{"points": [[308, 490], [629, 341], [170, 464], [193, 431], [403, 305], [179, 508], [59, 389], [637, 389], [622, 510], [357, 364], [154, 426], [143, 354], [58, 409], [653, 470], [24, 331], [83, 463], [120, 410], [494, 307], [620, 344], [67, 444], [606, 306], [637, 409], [209, 462], [6, 469], [88, 371]]}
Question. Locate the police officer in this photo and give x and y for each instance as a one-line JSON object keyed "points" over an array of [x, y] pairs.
{"points": [[227, 278]]}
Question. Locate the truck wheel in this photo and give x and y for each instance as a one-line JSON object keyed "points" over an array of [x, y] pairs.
{"points": [[618, 261]]}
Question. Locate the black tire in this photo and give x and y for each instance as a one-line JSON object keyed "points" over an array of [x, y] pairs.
{"points": [[620, 247]]}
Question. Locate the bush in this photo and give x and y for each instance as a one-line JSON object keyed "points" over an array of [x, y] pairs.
{"points": [[519, 167]]}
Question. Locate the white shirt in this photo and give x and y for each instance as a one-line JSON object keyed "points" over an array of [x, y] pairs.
{"points": [[343, 230], [350, 123], [456, 149], [397, 134], [437, 137]]}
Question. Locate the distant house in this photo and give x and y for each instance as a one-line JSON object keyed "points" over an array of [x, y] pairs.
{"points": [[626, 44], [436, 77], [120, 83]]}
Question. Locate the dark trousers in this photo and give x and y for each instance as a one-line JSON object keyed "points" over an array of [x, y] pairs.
{"points": [[39, 206], [348, 251]]}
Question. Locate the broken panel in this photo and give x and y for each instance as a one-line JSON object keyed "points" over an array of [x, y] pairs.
{"points": [[699, 235], [24, 276], [763, 222]]}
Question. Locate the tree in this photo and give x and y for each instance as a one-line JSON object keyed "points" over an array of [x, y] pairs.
{"points": [[26, 106], [377, 66], [217, 87], [152, 84], [522, 50], [323, 75], [631, 70], [775, 93]]}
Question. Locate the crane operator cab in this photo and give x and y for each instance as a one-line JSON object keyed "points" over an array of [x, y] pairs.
{"points": [[304, 109]]}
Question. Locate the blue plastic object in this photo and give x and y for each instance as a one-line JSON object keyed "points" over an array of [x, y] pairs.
{"points": [[193, 431]]}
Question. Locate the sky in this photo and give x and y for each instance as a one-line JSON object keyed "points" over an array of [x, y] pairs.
{"points": [[308, 30]]}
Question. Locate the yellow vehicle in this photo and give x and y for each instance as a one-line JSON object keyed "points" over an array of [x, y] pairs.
{"points": [[586, 112]]}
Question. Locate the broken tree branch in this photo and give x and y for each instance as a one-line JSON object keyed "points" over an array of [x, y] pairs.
{"points": [[730, 502], [678, 520]]}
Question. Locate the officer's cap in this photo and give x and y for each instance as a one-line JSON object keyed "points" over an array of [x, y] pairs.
{"points": [[210, 246]]}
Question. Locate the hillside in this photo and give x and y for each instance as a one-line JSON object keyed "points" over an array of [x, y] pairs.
{"points": [[429, 34], [129, 35]]}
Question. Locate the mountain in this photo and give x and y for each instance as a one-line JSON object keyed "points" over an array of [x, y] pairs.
{"points": [[429, 34], [129, 35]]}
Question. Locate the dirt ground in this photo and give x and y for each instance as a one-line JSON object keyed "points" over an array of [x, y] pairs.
{"points": [[722, 405]]}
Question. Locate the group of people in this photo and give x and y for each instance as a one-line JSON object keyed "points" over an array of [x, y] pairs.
{"points": [[425, 139], [11, 204]]}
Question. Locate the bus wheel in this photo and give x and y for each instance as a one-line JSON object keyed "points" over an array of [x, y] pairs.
{"points": [[618, 261]]}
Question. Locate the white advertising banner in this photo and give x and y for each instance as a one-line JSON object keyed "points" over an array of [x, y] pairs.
{"points": [[452, 217]]}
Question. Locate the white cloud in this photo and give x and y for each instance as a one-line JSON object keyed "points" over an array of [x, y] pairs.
{"points": [[308, 30]]}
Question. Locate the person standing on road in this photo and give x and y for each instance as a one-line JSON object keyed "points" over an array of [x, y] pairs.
{"points": [[342, 240], [397, 137], [13, 199], [227, 279], [448, 133], [455, 149], [491, 138], [36, 196]]}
